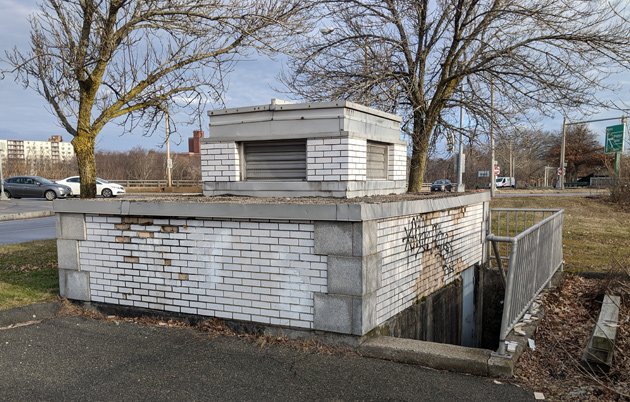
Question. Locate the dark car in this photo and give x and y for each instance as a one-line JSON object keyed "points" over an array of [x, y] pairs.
{"points": [[35, 187], [442, 185]]}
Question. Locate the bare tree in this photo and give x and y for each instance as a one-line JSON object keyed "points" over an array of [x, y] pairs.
{"points": [[424, 59], [582, 149], [98, 61], [522, 153]]}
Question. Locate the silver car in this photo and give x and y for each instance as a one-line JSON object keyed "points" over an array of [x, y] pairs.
{"points": [[35, 187]]}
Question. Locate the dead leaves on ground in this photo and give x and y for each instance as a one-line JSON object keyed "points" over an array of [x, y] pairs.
{"points": [[571, 312]]}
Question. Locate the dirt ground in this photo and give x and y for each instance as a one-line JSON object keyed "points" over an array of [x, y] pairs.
{"points": [[554, 368]]}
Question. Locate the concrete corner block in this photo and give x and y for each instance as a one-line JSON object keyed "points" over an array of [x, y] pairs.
{"points": [[333, 238], [333, 313], [70, 226], [372, 273], [68, 254], [345, 275], [364, 238], [76, 285], [62, 282], [500, 367], [363, 314]]}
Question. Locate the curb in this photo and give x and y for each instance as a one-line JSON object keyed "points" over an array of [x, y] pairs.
{"points": [[438, 356], [34, 312], [25, 215]]}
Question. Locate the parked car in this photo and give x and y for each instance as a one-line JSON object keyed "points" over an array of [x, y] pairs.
{"points": [[103, 187], [442, 185], [35, 187]]}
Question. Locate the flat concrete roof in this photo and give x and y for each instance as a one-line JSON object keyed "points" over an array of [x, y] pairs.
{"points": [[289, 106], [326, 209]]}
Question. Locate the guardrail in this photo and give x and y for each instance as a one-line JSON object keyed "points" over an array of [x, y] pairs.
{"points": [[531, 241], [157, 183]]}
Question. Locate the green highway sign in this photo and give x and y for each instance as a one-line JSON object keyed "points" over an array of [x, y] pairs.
{"points": [[614, 138]]}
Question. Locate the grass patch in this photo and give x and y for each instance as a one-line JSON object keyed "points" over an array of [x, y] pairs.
{"points": [[28, 273], [595, 231]]}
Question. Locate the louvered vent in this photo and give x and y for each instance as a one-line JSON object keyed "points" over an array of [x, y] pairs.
{"points": [[376, 161], [275, 160]]}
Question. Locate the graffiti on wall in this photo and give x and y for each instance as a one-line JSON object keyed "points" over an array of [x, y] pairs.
{"points": [[420, 237]]}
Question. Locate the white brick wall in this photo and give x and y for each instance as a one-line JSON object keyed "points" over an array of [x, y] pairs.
{"points": [[336, 159], [397, 162], [328, 159], [220, 161], [261, 271], [422, 253]]}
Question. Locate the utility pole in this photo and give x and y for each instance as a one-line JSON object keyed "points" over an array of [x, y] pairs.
{"points": [[460, 155], [493, 184], [618, 159], [562, 148], [2, 195], [169, 162], [511, 164]]}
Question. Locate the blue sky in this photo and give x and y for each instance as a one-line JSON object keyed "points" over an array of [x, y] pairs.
{"points": [[25, 115]]}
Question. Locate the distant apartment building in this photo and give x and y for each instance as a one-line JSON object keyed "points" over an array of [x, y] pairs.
{"points": [[54, 149]]}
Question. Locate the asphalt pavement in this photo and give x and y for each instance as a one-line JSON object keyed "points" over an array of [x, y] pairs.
{"points": [[72, 358]]}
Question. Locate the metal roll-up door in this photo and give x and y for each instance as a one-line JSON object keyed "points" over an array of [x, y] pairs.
{"points": [[377, 154], [275, 160]]}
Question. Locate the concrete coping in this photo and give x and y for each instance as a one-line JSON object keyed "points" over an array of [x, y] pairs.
{"points": [[340, 211], [289, 106]]}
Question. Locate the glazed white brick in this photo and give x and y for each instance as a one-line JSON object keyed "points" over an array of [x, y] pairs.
{"points": [[220, 161], [223, 268], [336, 159], [405, 277], [397, 169]]}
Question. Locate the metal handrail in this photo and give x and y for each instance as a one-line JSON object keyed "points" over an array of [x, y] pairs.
{"points": [[535, 254]]}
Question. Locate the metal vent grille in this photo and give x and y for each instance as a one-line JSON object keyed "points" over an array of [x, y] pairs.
{"points": [[275, 160], [376, 161]]}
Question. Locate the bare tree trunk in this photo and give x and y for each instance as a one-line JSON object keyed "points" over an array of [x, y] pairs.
{"points": [[84, 150], [420, 148]]}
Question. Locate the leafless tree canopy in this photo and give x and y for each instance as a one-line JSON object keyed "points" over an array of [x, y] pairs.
{"points": [[96, 61], [423, 59]]}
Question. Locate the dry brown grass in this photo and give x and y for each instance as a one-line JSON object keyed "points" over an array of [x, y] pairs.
{"points": [[595, 231]]}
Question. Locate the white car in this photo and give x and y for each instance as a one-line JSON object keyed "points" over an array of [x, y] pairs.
{"points": [[103, 187]]}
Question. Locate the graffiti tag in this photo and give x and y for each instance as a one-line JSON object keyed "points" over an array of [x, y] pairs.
{"points": [[420, 238]]}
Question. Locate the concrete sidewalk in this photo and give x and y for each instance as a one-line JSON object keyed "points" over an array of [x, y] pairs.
{"points": [[73, 358]]}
